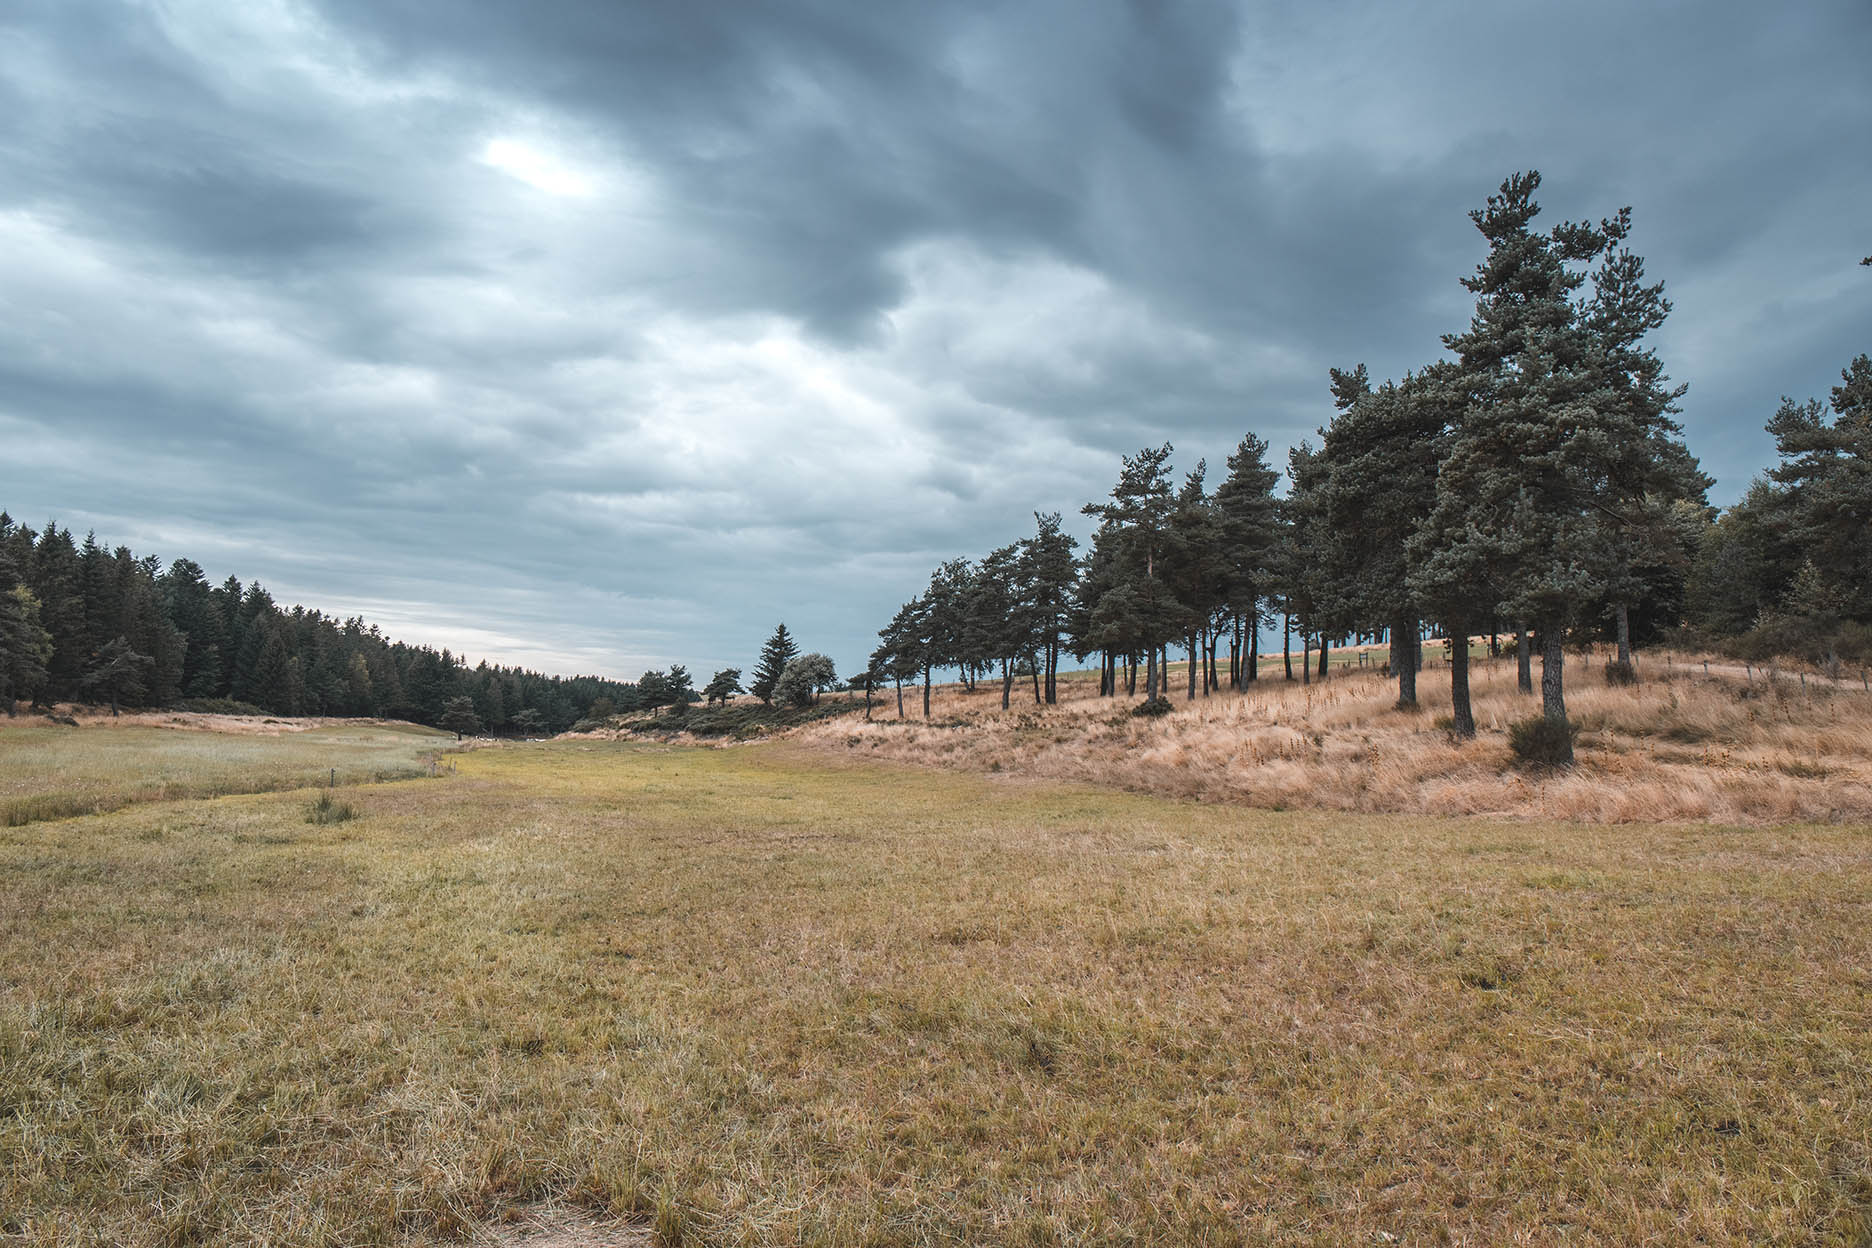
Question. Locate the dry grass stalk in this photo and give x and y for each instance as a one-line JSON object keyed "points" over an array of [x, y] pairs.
{"points": [[1679, 745]]}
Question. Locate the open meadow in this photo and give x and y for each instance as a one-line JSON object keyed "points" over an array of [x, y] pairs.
{"points": [[769, 994], [51, 771], [1682, 744]]}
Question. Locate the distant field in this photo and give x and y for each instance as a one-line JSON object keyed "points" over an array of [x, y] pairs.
{"points": [[760, 995], [53, 772]]}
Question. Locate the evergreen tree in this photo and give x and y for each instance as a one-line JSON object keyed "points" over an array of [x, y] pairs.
{"points": [[1139, 515], [722, 685], [775, 655], [459, 717], [1531, 457], [116, 672], [1249, 533], [1047, 574]]}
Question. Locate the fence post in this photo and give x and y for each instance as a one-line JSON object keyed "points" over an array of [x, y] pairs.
{"points": [[334, 779]]}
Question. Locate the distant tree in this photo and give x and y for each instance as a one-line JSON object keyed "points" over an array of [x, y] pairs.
{"points": [[899, 655], [25, 645], [779, 651], [722, 685], [459, 717], [680, 687], [601, 708], [1139, 515], [529, 722], [1249, 533], [802, 681], [116, 673], [1047, 573]]}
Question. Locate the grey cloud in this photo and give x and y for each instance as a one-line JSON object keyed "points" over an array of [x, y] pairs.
{"points": [[853, 288]]}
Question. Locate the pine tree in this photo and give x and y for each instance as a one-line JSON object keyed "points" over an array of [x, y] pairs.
{"points": [[459, 717], [1250, 531], [722, 686], [1526, 474], [117, 673], [774, 656], [1139, 518]]}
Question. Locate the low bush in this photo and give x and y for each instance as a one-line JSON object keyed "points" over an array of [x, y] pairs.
{"points": [[1153, 707], [329, 810], [1540, 742], [1620, 672]]}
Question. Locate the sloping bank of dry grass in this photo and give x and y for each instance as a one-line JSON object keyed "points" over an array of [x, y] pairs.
{"points": [[759, 996], [1678, 746]]}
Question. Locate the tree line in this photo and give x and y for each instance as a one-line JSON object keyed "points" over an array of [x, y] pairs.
{"points": [[1532, 482], [83, 622]]}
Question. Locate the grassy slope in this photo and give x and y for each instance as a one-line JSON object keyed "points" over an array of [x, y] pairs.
{"points": [[762, 997], [51, 772], [1678, 746]]}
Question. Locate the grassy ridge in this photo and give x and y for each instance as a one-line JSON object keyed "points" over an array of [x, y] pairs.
{"points": [[755, 996], [51, 772]]}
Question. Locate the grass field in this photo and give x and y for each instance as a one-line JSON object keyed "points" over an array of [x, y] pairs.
{"points": [[1679, 745], [52, 772], [760, 995]]}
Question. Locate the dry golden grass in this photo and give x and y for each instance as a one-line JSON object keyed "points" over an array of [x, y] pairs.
{"points": [[765, 996], [1678, 746], [53, 772]]}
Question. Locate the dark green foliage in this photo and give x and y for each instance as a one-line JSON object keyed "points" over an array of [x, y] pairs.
{"points": [[804, 679], [1540, 741], [722, 685], [743, 719], [1151, 708], [779, 651], [230, 647], [459, 717]]}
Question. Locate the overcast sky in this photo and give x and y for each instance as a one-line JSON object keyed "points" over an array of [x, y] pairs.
{"points": [[597, 336]]}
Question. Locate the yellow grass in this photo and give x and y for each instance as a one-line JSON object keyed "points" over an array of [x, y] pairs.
{"points": [[1678, 746], [53, 772], [765, 996]]}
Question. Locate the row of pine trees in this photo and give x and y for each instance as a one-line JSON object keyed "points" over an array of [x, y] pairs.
{"points": [[1531, 482], [82, 622]]}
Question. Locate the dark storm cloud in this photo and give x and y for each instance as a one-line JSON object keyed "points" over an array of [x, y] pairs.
{"points": [[598, 335]]}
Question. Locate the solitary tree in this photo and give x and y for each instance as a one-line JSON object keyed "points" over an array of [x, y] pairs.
{"points": [[722, 686], [803, 680], [459, 717], [116, 672], [774, 656]]}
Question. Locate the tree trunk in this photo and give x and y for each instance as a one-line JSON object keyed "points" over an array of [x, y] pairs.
{"points": [[1052, 672], [1524, 660], [1190, 642], [1404, 662], [1306, 658], [1325, 649], [1215, 676], [899, 680], [1553, 692], [1287, 642], [1235, 674], [1007, 681], [1131, 675], [1254, 649], [1460, 710], [1150, 676], [1624, 634], [926, 692]]}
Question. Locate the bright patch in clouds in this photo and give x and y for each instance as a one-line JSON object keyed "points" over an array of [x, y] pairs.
{"points": [[536, 168]]}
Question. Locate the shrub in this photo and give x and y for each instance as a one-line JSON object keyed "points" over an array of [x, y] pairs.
{"points": [[1620, 672], [1540, 742], [1153, 707], [329, 810]]}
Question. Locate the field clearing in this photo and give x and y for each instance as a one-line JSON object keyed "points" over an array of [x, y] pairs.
{"points": [[48, 771], [765, 995], [1678, 746]]}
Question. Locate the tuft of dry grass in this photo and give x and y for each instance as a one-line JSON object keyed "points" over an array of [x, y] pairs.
{"points": [[1678, 745], [766, 995], [51, 772]]}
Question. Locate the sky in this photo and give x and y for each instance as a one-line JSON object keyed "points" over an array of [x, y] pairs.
{"points": [[597, 336]]}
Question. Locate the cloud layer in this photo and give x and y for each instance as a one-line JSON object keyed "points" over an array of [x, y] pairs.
{"points": [[599, 336]]}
